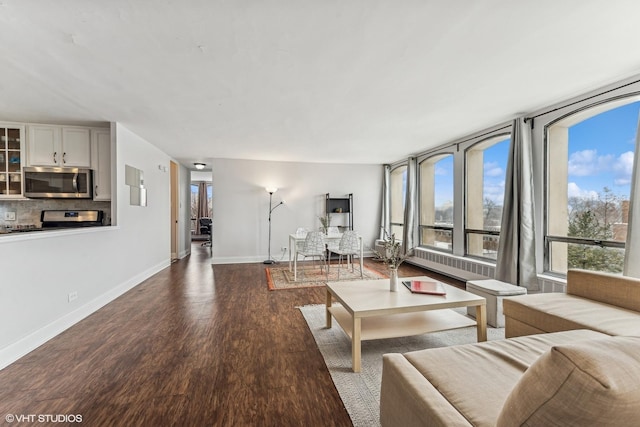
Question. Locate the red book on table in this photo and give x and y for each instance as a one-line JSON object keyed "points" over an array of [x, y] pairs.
{"points": [[431, 287]]}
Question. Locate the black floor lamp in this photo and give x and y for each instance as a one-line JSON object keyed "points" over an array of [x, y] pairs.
{"points": [[271, 190]]}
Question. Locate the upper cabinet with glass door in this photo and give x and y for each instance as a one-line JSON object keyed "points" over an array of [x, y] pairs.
{"points": [[11, 160]]}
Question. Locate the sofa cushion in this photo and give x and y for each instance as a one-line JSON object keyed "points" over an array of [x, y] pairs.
{"points": [[477, 378], [408, 399], [553, 312], [614, 289], [587, 383]]}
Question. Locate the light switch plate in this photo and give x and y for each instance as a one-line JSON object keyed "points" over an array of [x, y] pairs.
{"points": [[10, 216]]}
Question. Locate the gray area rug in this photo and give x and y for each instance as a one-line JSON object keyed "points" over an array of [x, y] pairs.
{"points": [[360, 392]]}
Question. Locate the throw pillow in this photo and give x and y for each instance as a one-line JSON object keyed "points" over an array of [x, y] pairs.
{"points": [[588, 383]]}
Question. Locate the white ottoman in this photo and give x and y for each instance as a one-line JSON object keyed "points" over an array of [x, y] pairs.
{"points": [[493, 291]]}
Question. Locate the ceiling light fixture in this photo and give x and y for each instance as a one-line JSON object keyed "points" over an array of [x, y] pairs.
{"points": [[199, 166]]}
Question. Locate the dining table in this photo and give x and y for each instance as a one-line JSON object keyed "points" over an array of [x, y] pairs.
{"points": [[297, 239]]}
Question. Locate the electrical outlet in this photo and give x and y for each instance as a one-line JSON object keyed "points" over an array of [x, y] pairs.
{"points": [[10, 216], [73, 296]]}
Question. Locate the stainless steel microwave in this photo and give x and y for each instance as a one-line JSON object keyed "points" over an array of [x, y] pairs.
{"points": [[57, 183]]}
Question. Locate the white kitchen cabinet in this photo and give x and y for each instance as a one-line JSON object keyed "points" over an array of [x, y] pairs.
{"points": [[44, 145], [101, 163], [76, 147], [59, 146]]}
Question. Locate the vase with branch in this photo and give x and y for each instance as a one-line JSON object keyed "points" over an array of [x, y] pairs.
{"points": [[393, 256], [325, 222]]}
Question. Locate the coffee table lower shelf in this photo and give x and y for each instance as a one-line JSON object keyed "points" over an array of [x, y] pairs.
{"points": [[401, 325]]}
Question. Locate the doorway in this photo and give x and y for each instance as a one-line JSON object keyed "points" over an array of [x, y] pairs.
{"points": [[201, 207]]}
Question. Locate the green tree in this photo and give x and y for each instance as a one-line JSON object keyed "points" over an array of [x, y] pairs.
{"points": [[592, 219], [585, 224]]}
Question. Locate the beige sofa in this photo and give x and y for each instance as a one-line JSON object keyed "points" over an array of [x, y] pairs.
{"points": [[570, 359], [564, 378], [598, 301]]}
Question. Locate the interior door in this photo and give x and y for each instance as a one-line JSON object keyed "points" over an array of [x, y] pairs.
{"points": [[174, 210]]}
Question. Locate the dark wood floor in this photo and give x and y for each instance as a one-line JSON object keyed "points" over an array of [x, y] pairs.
{"points": [[194, 345]]}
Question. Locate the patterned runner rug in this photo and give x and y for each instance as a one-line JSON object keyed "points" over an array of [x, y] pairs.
{"points": [[309, 276]]}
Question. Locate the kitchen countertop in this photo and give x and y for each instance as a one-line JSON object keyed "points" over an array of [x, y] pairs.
{"points": [[20, 230], [28, 233]]}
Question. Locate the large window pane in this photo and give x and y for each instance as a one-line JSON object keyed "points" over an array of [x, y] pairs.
{"points": [[590, 160], [436, 202], [486, 164], [210, 199], [194, 208]]}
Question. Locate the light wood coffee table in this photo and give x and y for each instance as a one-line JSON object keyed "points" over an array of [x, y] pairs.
{"points": [[369, 311]]}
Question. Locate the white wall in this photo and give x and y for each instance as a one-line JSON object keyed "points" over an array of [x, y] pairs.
{"points": [[39, 270], [241, 204], [201, 176]]}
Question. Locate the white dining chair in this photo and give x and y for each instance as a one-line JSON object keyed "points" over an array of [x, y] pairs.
{"points": [[350, 246], [313, 246], [301, 232]]}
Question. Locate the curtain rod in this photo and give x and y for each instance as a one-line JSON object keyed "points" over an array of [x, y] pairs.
{"points": [[467, 139], [480, 135], [581, 100]]}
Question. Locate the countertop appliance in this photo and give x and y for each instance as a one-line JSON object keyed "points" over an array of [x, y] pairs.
{"points": [[69, 218], [57, 183]]}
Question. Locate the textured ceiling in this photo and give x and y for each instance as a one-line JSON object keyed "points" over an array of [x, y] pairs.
{"points": [[358, 81]]}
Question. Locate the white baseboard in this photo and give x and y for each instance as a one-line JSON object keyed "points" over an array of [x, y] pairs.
{"points": [[15, 351]]}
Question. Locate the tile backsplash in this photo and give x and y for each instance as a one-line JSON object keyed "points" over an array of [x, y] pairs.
{"points": [[28, 211]]}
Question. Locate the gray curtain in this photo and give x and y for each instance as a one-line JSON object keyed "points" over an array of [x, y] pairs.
{"points": [[385, 218], [632, 247], [409, 235], [516, 262]]}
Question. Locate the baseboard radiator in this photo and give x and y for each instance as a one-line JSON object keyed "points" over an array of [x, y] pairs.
{"points": [[469, 269], [457, 267], [449, 265], [464, 269]]}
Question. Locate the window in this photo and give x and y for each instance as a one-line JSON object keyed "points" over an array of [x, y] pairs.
{"points": [[397, 190], [486, 166], [436, 202], [589, 164]]}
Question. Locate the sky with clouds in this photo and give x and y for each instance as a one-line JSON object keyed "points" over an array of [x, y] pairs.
{"points": [[601, 151], [495, 168]]}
